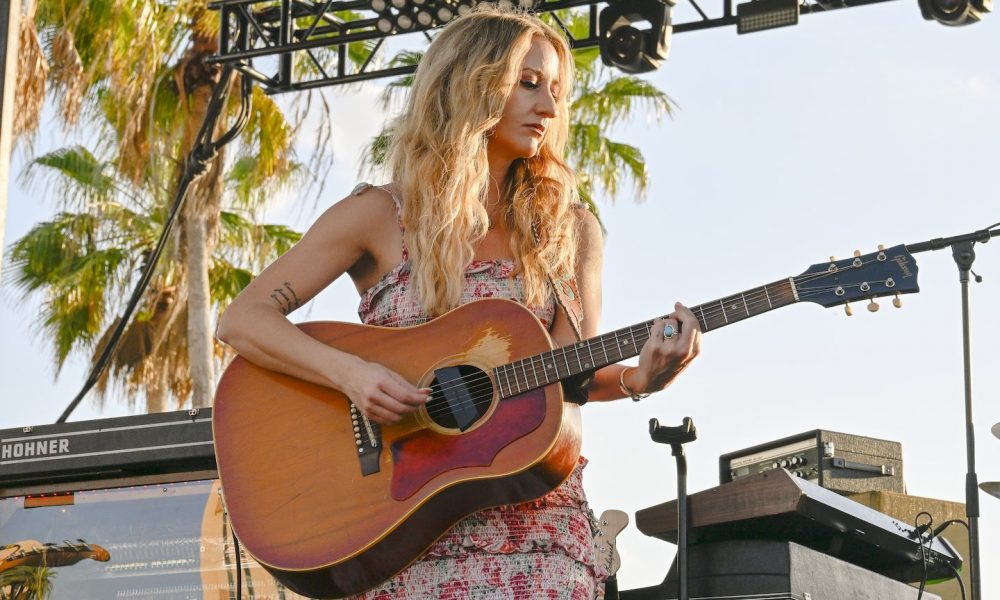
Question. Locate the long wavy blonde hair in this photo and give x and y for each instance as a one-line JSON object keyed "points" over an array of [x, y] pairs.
{"points": [[438, 159]]}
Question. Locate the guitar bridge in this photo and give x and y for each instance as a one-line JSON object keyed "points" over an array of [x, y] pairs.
{"points": [[368, 439]]}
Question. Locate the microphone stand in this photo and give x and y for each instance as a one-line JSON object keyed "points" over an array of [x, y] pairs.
{"points": [[964, 255], [677, 437]]}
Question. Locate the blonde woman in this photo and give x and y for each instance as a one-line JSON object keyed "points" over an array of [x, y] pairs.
{"points": [[481, 204]]}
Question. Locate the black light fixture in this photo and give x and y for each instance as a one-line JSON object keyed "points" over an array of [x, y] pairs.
{"points": [[759, 15], [629, 48], [955, 12], [401, 16]]}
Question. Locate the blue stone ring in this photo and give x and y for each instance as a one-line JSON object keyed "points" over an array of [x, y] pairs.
{"points": [[668, 332]]}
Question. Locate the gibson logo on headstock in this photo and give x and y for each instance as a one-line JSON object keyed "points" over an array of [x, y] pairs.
{"points": [[904, 266]]}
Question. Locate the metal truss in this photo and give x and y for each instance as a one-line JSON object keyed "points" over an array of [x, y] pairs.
{"points": [[292, 45]]}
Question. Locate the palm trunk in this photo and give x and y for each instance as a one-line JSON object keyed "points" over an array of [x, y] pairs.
{"points": [[198, 242], [199, 222]]}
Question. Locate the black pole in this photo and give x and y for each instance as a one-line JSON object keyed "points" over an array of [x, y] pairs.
{"points": [[964, 254], [677, 437], [682, 520]]}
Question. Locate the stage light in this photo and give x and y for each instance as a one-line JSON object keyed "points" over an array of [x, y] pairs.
{"points": [[629, 48], [404, 22], [466, 6], [955, 12], [766, 14], [445, 13]]}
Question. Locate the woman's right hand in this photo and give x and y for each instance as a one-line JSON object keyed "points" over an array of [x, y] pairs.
{"points": [[381, 394]]}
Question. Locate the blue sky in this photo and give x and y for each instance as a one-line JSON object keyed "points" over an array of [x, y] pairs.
{"points": [[854, 128]]}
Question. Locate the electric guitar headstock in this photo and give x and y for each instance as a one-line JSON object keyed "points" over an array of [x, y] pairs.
{"points": [[611, 523]]}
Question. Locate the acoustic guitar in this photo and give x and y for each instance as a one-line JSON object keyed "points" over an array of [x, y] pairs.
{"points": [[333, 504]]}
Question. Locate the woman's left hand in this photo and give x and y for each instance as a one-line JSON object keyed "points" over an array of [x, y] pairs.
{"points": [[673, 343]]}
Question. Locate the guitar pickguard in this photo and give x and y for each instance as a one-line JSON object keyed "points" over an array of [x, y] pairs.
{"points": [[423, 455]]}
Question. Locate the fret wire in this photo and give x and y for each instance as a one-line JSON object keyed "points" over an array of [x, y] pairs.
{"points": [[704, 321], [518, 378], [569, 370], [590, 350], [534, 372], [745, 307], [497, 373], [768, 295]]}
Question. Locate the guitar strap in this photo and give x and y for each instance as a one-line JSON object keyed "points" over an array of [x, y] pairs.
{"points": [[568, 297]]}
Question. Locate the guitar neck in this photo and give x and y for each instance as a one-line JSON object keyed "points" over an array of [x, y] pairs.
{"points": [[588, 355]]}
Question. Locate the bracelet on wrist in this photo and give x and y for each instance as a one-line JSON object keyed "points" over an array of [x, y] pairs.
{"points": [[635, 396]]}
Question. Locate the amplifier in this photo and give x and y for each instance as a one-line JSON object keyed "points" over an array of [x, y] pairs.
{"points": [[842, 462], [170, 442]]}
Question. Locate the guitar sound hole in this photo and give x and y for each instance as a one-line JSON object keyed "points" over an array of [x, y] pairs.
{"points": [[460, 396]]}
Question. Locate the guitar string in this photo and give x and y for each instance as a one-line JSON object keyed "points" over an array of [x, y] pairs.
{"points": [[480, 386], [484, 389]]}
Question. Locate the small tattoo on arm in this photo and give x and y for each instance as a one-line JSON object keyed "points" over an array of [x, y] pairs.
{"points": [[285, 303]]}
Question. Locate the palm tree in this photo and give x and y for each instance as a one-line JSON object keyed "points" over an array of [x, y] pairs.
{"points": [[26, 583], [133, 71], [82, 260], [601, 99]]}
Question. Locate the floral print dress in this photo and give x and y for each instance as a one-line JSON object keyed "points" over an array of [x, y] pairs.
{"points": [[539, 549]]}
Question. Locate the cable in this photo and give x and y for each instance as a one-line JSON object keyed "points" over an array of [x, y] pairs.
{"points": [[198, 160], [239, 564], [961, 584], [920, 542]]}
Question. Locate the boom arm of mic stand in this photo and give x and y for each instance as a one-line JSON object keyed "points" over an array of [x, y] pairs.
{"points": [[983, 236]]}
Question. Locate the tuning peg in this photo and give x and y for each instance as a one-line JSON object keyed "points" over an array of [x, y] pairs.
{"points": [[857, 253], [847, 310], [833, 259], [881, 247], [873, 306], [897, 301]]}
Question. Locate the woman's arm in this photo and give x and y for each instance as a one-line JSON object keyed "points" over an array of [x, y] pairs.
{"points": [[256, 323], [660, 360]]}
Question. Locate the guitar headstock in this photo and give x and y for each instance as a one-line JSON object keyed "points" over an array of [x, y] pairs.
{"points": [[887, 272], [611, 523]]}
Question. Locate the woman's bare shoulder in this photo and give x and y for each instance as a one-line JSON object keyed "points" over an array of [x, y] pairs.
{"points": [[360, 212]]}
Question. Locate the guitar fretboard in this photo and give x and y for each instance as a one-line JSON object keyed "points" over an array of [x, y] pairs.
{"points": [[555, 365]]}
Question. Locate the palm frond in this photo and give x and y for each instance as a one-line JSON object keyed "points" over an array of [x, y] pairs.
{"points": [[401, 85], [616, 100], [604, 162], [32, 72], [75, 165]]}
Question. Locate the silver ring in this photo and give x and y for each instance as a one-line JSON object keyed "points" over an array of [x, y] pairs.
{"points": [[668, 332]]}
